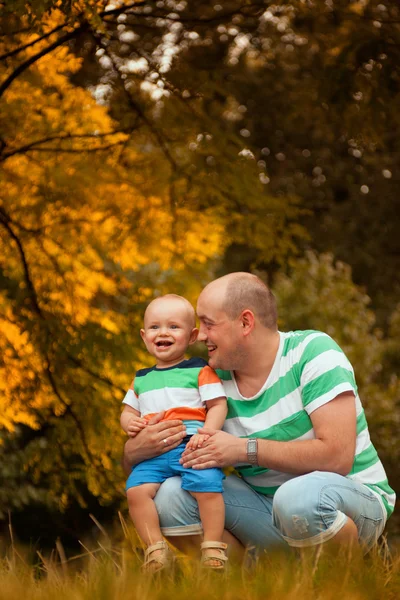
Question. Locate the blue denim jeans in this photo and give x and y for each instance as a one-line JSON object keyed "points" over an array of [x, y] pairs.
{"points": [[305, 511]]}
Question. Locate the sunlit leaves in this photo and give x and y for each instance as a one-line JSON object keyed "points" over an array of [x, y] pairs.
{"points": [[84, 242]]}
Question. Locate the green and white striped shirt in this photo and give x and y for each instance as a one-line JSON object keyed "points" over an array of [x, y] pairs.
{"points": [[309, 370]]}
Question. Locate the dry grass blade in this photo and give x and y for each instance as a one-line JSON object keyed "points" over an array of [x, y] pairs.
{"points": [[114, 573]]}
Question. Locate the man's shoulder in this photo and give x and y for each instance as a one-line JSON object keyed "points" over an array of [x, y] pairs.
{"points": [[306, 345], [301, 334], [300, 339]]}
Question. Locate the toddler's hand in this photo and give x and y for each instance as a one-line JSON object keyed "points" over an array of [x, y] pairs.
{"points": [[135, 425], [196, 441]]}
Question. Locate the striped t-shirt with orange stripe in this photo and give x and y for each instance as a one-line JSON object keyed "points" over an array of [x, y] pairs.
{"points": [[182, 391]]}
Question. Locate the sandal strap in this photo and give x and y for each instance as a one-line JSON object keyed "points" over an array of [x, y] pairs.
{"points": [[216, 545], [162, 558], [217, 556], [157, 546], [220, 557]]}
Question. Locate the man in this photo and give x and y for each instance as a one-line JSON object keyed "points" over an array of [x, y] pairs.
{"points": [[295, 431]]}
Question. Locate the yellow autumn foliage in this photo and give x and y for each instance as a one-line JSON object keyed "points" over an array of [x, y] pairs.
{"points": [[84, 246]]}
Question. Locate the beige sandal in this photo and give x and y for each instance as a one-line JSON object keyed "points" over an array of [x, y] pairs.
{"points": [[160, 561], [219, 555]]}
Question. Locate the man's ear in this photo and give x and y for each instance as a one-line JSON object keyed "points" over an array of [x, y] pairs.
{"points": [[247, 320], [193, 335]]}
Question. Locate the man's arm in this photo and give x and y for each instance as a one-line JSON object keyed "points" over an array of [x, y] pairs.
{"points": [[155, 439], [332, 449]]}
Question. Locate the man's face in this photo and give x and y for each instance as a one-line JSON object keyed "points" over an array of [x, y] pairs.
{"points": [[220, 334]]}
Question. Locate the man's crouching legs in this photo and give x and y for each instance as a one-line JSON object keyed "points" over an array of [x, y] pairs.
{"points": [[312, 509]]}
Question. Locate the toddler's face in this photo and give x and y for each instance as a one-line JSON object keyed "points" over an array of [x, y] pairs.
{"points": [[168, 331]]}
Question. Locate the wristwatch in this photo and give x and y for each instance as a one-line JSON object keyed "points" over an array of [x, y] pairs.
{"points": [[252, 448]]}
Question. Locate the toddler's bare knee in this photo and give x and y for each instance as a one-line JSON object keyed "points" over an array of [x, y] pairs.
{"points": [[142, 492]]}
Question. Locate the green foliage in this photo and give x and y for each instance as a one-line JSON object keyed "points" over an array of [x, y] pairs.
{"points": [[319, 293], [17, 491]]}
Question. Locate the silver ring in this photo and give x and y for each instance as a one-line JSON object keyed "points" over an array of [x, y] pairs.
{"points": [[165, 441]]}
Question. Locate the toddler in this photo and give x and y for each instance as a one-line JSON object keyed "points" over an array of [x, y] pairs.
{"points": [[188, 390]]}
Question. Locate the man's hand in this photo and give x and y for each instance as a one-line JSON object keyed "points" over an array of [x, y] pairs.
{"points": [[155, 439], [220, 450]]}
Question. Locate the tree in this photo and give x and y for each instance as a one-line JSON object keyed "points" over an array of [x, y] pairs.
{"points": [[101, 209]]}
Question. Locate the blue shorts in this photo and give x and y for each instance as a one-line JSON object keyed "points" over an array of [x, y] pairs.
{"points": [[160, 468]]}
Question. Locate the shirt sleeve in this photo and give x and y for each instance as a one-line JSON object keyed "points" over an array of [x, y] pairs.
{"points": [[326, 373], [131, 397], [210, 385]]}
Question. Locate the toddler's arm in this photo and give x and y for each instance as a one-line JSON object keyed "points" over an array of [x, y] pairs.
{"points": [[217, 410], [131, 421]]}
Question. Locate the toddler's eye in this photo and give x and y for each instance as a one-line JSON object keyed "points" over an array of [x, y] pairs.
{"points": [[153, 326], [174, 327]]}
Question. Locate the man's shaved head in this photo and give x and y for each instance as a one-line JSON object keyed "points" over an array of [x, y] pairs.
{"points": [[240, 291], [172, 298]]}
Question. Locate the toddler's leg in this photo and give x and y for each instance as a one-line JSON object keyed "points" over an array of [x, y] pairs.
{"points": [[212, 515], [142, 510]]}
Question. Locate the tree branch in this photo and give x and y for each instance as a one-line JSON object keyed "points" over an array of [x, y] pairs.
{"points": [[77, 150], [80, 365], [90, 457], [137, 108], [116, 11], [68, 409], [122, 9], [25, 65], [218, 18], [17, 32], [43, 37], [61, 137], [5, 220], [69, 36]]}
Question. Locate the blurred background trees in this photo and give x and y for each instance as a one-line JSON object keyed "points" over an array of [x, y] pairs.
{"points": [[147, 147]]}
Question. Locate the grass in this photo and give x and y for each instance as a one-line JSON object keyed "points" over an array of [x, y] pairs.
{"points": [[112, 572]]}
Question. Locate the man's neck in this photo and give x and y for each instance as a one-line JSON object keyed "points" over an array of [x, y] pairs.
{"points": [[255, 371]]}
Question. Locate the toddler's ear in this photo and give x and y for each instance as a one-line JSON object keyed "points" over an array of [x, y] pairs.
{"points": [[142, 332], [193, 335]]}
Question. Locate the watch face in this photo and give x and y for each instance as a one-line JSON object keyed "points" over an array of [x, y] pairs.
{"points": [[252, 451], [252, 446]]}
